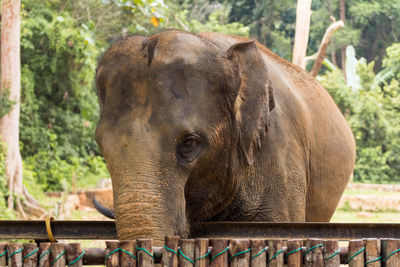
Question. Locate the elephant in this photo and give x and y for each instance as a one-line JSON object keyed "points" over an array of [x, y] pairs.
{"points": [[214, 127]]}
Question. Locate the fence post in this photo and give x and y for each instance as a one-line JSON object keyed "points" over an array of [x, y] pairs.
{"points": [[372, 252], [112, 254], [144, 250], [57, 255], [186, 253], [219, 253], [44, 254], [356, 253], [313, 255], [30, 255], [275, 253], [390, 258], [201, 252], [258, 255], [240, 253], [74, 254], [294, 258], [170, 251], [14, 254], [128, 249], [331, 253], [3, 254]]}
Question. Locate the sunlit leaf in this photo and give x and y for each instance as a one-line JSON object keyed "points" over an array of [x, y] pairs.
{"points": [[155, 21]]}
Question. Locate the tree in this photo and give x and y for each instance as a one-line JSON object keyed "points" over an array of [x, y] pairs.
{"points": [[343, 52], [373, 113], [10, 93], [303, 15]]}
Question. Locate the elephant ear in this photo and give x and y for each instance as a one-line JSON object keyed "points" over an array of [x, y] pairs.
{"points": [[254, 99]]}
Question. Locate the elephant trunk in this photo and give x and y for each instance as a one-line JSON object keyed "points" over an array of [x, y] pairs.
{"points": [[144, 209]]}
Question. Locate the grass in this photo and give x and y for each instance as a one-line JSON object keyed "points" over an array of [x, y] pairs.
{"points": [[347, 216], [370, 192]]}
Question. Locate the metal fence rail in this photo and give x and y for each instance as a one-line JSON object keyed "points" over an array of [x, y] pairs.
{"points": [[106, 230]]}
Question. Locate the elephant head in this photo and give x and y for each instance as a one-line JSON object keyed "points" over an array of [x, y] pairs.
{"points": [[180, 115]]}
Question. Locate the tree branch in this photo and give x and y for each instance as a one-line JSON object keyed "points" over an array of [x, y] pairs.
{"points": [[324, 45]]}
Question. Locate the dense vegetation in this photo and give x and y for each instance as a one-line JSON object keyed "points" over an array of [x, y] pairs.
{"points": [[62, 40]]}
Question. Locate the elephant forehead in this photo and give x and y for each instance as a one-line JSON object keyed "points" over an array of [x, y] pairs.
{"points": [[183, 47], [178, 84], [174, 97]]}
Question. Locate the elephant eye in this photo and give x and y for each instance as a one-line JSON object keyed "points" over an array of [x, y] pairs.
{"points": [[189, 148]]}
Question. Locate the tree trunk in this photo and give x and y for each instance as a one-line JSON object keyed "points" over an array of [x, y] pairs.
{"points": [[343, 18], [303, 15], [9, 122]]}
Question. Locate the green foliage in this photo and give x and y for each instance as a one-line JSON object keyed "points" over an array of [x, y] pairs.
{"points": [[374, 115], [5, 103], [334, 82], [201, 16], [58, 66], [371, 26], [142, 15], [5, 214], [271, 22], [212, 25]]}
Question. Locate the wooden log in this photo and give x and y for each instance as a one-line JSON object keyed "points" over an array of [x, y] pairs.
{"points": [[57, 255], [170, 252], [331, 253], [258, 255], [240, 252], [313, 255], [275, 253], [94, 256], [201, 252], [356, 253], [186, 252], [74, 254], [112, 254], [127, 254], [145, 253], [44, 254], [294, 256], [30, 255], [219, 252], [372, 252], [3, 254], [390, 252], [14, 254]]}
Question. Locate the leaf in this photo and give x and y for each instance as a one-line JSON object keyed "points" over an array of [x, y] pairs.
{"points": [[353, 80], [155, 21], [327, 63]]}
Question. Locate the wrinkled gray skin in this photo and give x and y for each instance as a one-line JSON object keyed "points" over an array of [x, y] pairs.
{"points": [[214, 127]]}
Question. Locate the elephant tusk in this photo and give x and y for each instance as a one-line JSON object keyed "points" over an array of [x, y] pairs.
{"points": [[109, 213]]}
